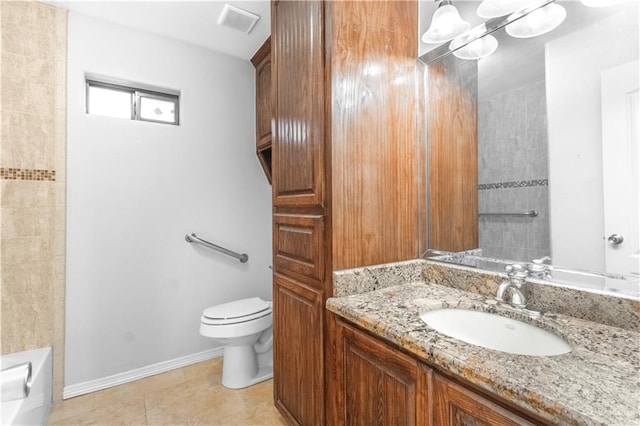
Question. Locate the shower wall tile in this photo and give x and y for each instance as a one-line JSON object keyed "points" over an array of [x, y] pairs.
{"points": [[512, 148], [25, 278], [28, 140], [515, 237], [512, 135], [30, 322], [27, 222], [20, 193], [29, 29], [33, 163]]}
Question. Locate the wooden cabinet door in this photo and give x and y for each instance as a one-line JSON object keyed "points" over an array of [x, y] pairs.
{"points": [[263, 100], [298, 352], [298, 247], [262, 62], [298, 68], [377, 384], [455, 405], [264, 111]]}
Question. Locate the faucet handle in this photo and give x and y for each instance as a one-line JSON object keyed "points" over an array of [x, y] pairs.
{"points": [[538, 268], [516, 271]]}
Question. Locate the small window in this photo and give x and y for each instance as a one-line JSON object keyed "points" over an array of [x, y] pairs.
{"points": [[135, 103]]}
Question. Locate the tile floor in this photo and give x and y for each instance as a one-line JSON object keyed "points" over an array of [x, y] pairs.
{"points": [[190, 395]]}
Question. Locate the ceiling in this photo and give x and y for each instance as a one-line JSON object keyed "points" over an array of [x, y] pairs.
{"points": [[193, 22]]}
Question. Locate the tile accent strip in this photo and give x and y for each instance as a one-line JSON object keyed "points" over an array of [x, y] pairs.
{"points": [[27, 174], [518, 184]]}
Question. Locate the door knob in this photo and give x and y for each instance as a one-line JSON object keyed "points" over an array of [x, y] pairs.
{"points": [[615, 239]]}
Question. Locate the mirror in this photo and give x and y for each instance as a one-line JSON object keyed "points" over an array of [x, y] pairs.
{"points": [[558, 135]]}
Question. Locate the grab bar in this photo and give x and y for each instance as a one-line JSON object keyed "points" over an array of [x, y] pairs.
{"points": [[194, 239], [530, 213]]}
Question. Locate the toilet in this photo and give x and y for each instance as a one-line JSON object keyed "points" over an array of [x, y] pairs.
{"points": [[244, 328]]}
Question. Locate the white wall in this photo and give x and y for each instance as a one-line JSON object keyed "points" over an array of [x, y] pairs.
{"points": [[573, 67], [135, 288]]}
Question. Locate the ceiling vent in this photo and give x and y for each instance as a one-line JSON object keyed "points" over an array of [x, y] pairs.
{"points": [[238, 19]]}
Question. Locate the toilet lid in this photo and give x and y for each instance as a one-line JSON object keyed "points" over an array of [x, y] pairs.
{"points": [[237, 309]]}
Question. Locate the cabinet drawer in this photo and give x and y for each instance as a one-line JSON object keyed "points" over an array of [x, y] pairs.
{"points": [[457, 406], [298, 245]]}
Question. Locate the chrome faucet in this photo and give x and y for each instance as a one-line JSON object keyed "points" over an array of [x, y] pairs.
{"points": [[517, 275]]}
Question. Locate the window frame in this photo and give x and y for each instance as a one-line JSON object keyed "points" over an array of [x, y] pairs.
{"points": [[136, 93]]}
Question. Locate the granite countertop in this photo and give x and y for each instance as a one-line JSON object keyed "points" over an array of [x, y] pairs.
{"points": [[598, 382]]}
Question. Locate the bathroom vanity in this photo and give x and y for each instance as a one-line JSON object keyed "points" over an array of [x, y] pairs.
{"points": [[390, 365]]}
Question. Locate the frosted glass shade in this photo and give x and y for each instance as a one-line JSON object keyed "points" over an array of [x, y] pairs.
{"points": [[445, 24], [496, 8], [538, 22], [477, 49], [603, 3]]}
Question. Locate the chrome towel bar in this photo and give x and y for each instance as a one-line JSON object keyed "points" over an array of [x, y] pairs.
{"points": [[530, 213], [194, 239]]}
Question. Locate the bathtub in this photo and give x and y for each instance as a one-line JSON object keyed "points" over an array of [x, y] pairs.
{"points": [[33, 410]]}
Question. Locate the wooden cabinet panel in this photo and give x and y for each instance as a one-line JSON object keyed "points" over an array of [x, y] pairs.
{"points": [[262, 62], [263, 104], [453, 155], [298, 245], [376, 131], [377, 384], [298, 352], [455, 405], [264, 112], [298, 67]]}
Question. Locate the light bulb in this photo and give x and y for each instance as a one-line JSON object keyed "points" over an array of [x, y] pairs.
{"points": [[538, 22], [603, 3], [477, 49], [495, 8]]}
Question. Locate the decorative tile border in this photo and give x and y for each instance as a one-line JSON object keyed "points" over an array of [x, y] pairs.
{"points": [[517, 184], [27, 174]]}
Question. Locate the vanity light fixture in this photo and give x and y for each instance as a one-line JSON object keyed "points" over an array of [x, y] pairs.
{"points": [[446, 24], [495, 8], [477, 49], [538, 22]]}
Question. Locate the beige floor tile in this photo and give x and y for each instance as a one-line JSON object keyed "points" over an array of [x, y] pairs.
{"points": [[130, 412], [136, 390], [71, 407], [197, 401], [260, 406], [202, 369], [191, 395]]}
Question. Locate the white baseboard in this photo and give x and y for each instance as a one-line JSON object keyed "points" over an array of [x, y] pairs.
{"points": [[139, 373]]}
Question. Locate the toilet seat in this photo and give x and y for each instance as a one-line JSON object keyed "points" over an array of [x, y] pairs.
{"points": [[235, 312]]}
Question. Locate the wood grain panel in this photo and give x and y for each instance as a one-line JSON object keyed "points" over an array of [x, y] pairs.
{"points": [[298, 245], [375, 131], [263, 103], [298, 67], [261, 60], [378, 385], [456, 406], [453, 154], [298, 352]]}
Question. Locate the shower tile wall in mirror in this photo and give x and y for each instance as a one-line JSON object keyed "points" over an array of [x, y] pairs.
{"points": [[558, 133]]}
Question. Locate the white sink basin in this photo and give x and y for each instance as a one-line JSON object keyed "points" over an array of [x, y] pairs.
{"points": [[495, 332]]}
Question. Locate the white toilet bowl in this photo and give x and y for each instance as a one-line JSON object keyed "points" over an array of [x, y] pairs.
{"points": [[244, 328]]}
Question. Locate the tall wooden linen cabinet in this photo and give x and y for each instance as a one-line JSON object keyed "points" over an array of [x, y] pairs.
{"points": [[348, 161]]}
